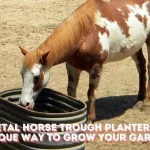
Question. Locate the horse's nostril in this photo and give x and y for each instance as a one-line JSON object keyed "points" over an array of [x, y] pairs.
{"points": [[27, 104]]}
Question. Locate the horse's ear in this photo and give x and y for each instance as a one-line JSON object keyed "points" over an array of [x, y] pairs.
{"points": [[23, 51], [43, 57]]}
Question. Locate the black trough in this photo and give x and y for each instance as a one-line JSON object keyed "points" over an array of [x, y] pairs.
{"points": [[51, 107]]}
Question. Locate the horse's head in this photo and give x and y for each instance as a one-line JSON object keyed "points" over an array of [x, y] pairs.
{"points": [[35, 76]]}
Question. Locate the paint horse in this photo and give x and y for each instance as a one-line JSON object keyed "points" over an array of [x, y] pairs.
{"points": [[98, 32]]}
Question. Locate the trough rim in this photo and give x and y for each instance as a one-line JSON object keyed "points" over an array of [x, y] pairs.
{"points": [[42, 114]]}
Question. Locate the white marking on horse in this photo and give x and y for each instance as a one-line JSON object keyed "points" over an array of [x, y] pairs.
{"points": [[120, 46], [36, 69], [28, 95]]}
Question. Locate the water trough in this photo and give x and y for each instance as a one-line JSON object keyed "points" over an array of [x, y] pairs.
{"points": [[51, 107]]}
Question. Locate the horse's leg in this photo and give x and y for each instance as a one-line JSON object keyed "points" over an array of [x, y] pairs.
{"points": [[94, 77], [141, 67], [146, 105], [73, 78]]}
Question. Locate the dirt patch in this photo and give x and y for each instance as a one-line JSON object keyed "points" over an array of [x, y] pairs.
{"points": [[28, 23]]}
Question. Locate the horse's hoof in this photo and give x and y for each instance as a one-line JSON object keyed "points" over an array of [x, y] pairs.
{"points": [[146, 108], [138, 105], [91, 119]]}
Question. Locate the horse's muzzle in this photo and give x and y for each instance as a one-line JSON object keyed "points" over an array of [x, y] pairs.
{"points": [[27, 105]]}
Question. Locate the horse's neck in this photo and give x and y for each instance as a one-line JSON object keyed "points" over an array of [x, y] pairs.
{"points": [[60, 47], [64, 41]]}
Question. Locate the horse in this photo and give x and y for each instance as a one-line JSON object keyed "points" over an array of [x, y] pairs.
{"points": [[96, 33]]}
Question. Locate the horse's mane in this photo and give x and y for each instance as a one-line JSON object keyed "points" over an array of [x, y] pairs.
{"points": [[30, 59], [65, 39]]}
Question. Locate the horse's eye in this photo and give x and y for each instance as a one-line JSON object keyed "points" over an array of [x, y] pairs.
{"points": [[36, 79]]}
